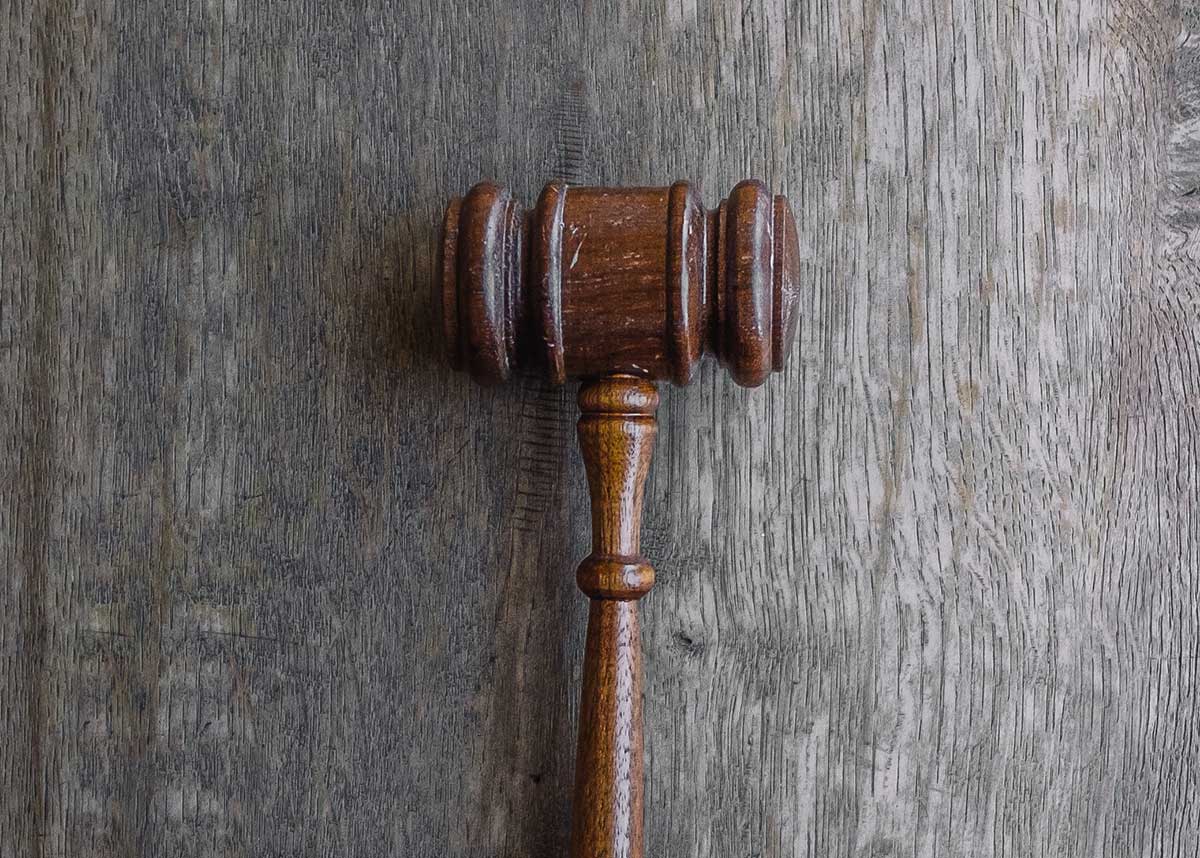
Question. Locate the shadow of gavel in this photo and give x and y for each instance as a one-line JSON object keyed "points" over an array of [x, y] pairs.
{"points": [[619, 287]]}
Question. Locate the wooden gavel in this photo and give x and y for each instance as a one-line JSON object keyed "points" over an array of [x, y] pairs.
{"points": [[619, 287]]}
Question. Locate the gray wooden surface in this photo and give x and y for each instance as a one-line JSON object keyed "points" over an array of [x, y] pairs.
{"points": [[280, 584]]}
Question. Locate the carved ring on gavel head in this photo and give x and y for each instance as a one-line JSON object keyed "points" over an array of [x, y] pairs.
{"points": [[620, 287]]}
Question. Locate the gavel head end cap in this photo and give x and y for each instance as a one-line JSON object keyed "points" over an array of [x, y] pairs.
{"points": [[758, 270], [478, 284]]}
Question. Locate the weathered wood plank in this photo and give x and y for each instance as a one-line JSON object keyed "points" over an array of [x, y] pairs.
{"points": [[282, 584]]}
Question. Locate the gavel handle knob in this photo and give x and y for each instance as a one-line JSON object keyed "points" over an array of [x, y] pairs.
{"points": [[616, 434]]}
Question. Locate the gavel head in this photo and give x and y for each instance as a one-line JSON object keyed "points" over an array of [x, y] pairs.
{"points": [[638, 281]]}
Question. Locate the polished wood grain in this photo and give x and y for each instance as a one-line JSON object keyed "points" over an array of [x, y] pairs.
{"points": [[619, 286], [616, 435], [643, 281]]}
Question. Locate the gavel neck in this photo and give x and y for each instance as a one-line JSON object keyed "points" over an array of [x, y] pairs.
{"points": [[616, 434]]}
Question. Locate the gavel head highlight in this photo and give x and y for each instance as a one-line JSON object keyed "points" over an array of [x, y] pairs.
{"points": [[638, 281]]}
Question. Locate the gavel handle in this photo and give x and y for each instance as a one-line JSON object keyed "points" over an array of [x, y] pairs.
{"points": [[616, 434], [608, 766]]}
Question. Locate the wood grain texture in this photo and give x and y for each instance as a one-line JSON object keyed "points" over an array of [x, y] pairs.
{"points": [[282, 584], [616, 439]]}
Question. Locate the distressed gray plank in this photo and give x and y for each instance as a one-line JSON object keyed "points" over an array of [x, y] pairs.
{"points": [[282, 584]]}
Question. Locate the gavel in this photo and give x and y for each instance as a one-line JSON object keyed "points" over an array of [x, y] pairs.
{"points": [[620, 288]]}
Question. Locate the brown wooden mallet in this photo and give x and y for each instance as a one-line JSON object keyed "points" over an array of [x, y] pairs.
{"points": [[619, 287]]}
